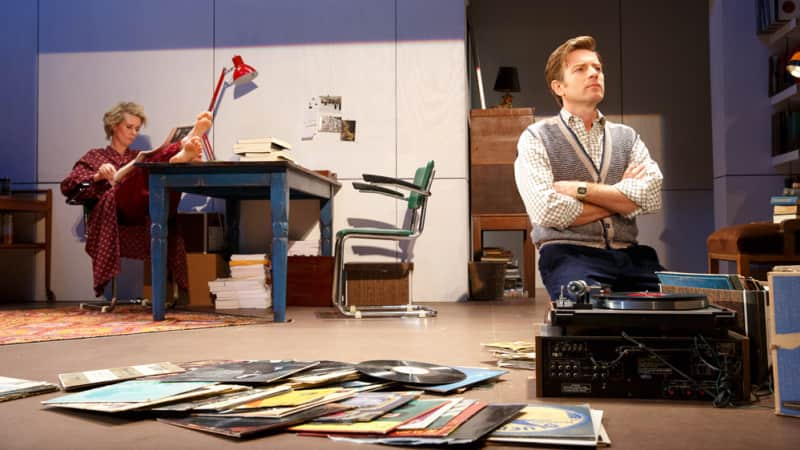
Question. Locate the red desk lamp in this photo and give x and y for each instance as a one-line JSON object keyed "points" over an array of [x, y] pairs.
{"points": [[242, 73]]}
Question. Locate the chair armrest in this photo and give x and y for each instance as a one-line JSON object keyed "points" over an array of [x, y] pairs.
{"points": [[366, 187], [74, 196], [402, 184]]}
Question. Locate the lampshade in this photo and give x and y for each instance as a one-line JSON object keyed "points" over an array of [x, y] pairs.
{"points": [[793, 66], [507, 80], [242, 73]]}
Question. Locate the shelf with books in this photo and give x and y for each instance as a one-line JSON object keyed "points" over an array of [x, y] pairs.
{"points": [[777, 40]]}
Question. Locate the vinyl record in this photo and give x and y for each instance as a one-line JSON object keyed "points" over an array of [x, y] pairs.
{"points": [[410, 372], [652, 301]]}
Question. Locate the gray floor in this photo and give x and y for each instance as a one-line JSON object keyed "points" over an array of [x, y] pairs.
{"points": [[453, 338]]}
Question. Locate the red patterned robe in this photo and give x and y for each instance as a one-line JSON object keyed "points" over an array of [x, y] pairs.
{"points": [[119, 223]]}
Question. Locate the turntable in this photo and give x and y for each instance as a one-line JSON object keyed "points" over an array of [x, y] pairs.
{"points": [[597, 311]]}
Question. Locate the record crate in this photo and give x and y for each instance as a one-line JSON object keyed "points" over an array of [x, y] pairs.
{"points": [[309, 281], [378, 284]]}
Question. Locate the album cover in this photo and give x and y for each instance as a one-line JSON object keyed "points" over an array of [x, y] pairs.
{"points": [[76, 380], [557, 421], [223, 402], [264, 371], [474, 375], [13, 388], [283, 411], [243, 427], [446, 423], [381, 425], [369, 406]]}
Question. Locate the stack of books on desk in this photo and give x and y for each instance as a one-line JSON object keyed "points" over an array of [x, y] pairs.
{"points": [[247, 286], [263, 149]]}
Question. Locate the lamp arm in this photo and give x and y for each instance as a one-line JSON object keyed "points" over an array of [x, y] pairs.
{"points": [[216, 90]]}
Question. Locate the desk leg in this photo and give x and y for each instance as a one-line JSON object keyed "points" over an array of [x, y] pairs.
{"points": [[279, 199], [232, 210], [326, 225], [158, 243]]}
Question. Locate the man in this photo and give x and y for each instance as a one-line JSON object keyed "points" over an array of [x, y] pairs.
{"points": [[584, 180]]}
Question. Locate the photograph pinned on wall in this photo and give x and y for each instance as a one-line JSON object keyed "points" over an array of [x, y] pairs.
{"points": [[348, 130], [330, 103], [310, 120], [330, 124]]}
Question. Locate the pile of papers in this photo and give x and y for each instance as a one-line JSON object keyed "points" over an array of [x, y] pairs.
{"points": [[247, 286], [514, 354], [309, 247], [263, 149]]}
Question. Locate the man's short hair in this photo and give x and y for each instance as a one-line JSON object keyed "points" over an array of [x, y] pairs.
{"points": [[116, 115], [554, 69]]}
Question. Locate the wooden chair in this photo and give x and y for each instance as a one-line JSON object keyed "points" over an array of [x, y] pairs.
{"points": [[754, 243]]}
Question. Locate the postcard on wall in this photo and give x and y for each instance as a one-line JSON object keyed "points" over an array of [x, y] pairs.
{"points": [[330, 103], [310, 120], [348, 132], [330, 124]]}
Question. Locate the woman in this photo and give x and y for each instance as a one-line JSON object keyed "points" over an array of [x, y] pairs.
{"points": [[116, 226]]}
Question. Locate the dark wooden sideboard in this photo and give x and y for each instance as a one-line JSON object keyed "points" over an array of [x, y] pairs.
{"points": [[495, 203]]}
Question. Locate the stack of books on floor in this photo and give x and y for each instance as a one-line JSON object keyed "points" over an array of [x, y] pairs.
{"points": [[380, 401], [308, 247], [247, 287], [784, 207], [263, 149], [514, 354]]}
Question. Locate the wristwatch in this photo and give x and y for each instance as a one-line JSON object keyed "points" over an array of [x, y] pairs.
{"points": [[581, 192]]}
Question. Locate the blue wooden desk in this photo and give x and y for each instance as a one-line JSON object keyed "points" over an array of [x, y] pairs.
{"points": [[278, 181]]}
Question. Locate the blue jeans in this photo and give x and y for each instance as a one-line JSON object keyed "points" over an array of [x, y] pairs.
{"points": [[624, 270]]}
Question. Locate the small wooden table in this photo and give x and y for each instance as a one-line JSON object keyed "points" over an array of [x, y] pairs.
{"points": [[507, 222], [29, 201]]}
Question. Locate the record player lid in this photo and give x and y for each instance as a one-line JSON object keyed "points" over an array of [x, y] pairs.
{"points": [[650, 301]]}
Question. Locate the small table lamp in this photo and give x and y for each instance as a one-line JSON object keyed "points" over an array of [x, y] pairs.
{"points": [[507, 81], [793, 66], [242, 73]]}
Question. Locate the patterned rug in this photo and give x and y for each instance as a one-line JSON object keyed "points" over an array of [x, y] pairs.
{"points": [[35, 325]]}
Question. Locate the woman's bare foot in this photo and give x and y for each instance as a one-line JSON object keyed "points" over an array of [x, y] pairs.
{"points": [[192, 150], [202, 124]]}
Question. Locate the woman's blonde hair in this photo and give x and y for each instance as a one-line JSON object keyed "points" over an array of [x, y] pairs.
{"points": [[554, 69], [115, 115]]}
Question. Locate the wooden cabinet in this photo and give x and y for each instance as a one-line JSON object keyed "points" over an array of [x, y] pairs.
{"points": [[493, 149], [39, 203], [495, 203]]}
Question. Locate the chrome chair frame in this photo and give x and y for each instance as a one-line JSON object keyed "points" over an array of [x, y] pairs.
{"points": [[418, 193]]}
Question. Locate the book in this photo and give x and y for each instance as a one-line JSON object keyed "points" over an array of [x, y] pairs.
{"points": [[785, 209], [13, 388], [265, 140], [784, 200], [260, 145], [780, 218], [271, 156], [76, 380]]}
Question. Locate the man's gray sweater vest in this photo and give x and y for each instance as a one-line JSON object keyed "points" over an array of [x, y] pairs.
{"points": [[569, 161]]}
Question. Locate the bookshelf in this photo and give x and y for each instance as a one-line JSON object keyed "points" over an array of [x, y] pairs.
{"points": [[782, 40], [39, 203]]}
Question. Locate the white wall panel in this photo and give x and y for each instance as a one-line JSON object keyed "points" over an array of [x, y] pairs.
{"points": [[362, 74]]}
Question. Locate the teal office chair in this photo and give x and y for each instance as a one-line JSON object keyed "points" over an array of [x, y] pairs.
{"points": [[418, 193]]}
